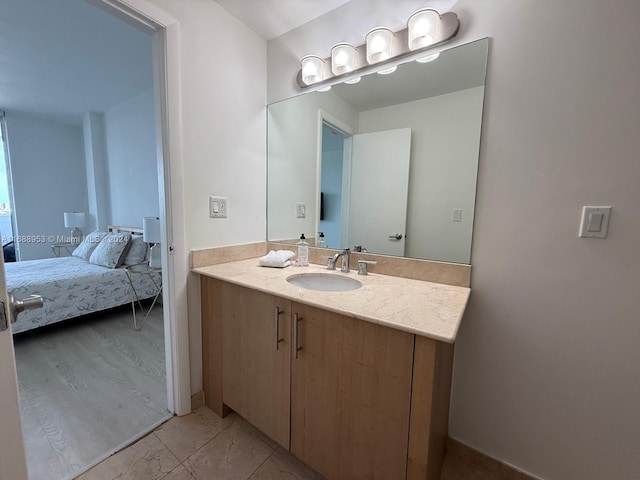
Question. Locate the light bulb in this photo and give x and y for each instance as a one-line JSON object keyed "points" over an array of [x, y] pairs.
{"points": [[379, 44], [312, 69], [343, 58], [423, 28]]}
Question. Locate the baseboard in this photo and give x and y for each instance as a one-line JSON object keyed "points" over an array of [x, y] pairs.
{"points": [[197, 399], [463, 462]]}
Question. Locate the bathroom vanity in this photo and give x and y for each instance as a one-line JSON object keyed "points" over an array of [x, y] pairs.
{"points": [[354, 383]]}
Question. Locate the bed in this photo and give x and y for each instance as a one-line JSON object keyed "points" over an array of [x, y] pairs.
{"points": [[71, 287]]}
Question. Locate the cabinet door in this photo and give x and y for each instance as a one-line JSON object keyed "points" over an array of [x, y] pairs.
{"points": [[350, 396], [255, 364]]}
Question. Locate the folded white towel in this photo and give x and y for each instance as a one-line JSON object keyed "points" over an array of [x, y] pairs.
{"points": [[277, 259]]}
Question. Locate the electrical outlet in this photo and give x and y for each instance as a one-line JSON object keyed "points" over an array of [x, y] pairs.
{"points": [[218, 207]]}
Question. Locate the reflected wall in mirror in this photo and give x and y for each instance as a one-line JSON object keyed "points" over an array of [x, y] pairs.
{"points": [[389, 164]]}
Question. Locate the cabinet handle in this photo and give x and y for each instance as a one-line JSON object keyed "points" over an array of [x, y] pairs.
{"points": [[296, 348], [277, 325]]}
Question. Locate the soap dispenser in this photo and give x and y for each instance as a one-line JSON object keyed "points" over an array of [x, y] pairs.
{"points": [[321, 242], [303, 252]]}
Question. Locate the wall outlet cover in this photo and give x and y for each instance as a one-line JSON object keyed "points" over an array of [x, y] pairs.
{"points": [[218, 207]]}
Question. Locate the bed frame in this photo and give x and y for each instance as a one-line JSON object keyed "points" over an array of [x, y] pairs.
{"points": [[121, 229]]}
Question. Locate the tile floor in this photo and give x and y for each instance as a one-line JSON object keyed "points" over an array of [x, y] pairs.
{"points": [[203, 446]]}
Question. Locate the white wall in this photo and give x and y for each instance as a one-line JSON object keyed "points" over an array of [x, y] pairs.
{"points": [[294, 146], [48, 170], [223, 92], [132, 173], [445, 138], [546, 370]]}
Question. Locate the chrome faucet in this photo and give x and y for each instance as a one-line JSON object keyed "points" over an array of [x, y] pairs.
{"points": [[345, 261]]}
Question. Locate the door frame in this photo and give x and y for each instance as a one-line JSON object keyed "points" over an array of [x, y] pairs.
{"points": [[325, 117], [175, 259]]}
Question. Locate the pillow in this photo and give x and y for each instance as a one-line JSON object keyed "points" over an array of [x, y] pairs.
{"points": [[88, 245], [137, 251], [111, 250]]}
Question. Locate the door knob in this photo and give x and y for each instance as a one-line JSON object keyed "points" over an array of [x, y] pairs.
{"points": [[396, 236], [18, 306]]}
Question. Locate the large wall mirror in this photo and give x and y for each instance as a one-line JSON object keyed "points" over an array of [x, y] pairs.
{"points": [[388, 164]]}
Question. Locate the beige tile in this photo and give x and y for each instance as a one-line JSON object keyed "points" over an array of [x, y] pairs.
{"points": [[282, 465], [184, 435], [180, 473], [254, 431], [416, 269], [233, 455], [216, 255], [147, 459]]}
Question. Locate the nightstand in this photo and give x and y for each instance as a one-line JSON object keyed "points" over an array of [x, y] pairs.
{"points": [[143, 269], [57, 248]]}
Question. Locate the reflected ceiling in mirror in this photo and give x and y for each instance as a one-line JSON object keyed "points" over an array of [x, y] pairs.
{"points": [[388, 164]]}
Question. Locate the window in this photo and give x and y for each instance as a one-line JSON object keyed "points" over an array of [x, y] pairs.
{"points": [[6, 203]]}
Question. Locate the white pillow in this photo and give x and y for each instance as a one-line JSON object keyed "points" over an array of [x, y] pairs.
{"points": [[88, 245], [137, 251], [111, 250]]}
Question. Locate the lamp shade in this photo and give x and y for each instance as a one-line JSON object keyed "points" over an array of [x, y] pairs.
{"points": [[312, 69], [423, 28], [151, 229], [379, 44], [73, 220], [343, 58]]}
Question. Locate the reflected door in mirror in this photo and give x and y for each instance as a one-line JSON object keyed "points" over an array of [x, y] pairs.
{"points": [[379, 187]]}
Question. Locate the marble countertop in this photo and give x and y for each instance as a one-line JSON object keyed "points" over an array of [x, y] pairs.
{"points": [[429, 309]]}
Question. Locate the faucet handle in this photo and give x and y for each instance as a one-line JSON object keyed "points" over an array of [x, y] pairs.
{"points": [[331, 263], [362, 266]]}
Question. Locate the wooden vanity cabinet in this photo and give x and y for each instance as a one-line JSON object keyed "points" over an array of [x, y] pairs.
{"points": [[352, 399], [254, 378], [350, 396]]}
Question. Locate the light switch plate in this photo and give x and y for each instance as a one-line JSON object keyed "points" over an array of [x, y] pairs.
{"points": [[456, 215], [594, 222], [217, 207], [301, 210]]}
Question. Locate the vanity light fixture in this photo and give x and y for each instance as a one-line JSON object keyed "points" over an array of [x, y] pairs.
{"points": [[387, 71], [343, 58], [423, 28], [379, 43], [426, 28], [312, 67], [428, 58]]}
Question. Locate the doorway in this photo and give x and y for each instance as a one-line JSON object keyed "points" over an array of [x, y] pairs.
{"points": [[174, 389], [332, 177]]}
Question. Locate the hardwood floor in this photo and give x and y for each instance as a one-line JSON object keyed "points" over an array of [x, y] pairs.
{"points": [[87, 387]]}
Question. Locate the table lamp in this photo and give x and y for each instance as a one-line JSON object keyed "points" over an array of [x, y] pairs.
{"points": [[151, 234], [74, 220]]}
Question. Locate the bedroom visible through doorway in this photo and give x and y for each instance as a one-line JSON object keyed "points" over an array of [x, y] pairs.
{"points": [[89, 383]]}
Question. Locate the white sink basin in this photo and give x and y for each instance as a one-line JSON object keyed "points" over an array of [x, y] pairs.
{"points": [[324, 282]]}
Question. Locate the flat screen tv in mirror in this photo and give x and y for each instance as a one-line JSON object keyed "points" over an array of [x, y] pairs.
{"points": [[387, 165]]}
